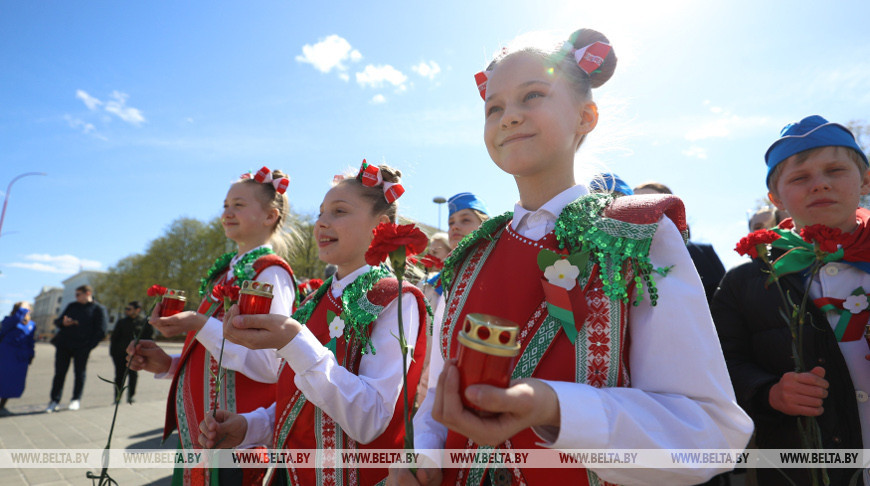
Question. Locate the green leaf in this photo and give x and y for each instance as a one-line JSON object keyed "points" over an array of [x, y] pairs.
{"points": [[547, 258], [579, 259]]}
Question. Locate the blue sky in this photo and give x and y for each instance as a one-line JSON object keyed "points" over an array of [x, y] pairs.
{"points": [[142, 112]]}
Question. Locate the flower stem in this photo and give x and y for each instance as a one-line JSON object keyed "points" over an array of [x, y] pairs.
{"points": [[218, 380], [104, 478]]}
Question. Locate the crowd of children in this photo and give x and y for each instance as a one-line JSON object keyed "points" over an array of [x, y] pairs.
{"points": [[627, 358]]}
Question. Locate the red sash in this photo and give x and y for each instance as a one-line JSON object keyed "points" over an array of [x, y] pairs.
{"points": [[297, 416]]}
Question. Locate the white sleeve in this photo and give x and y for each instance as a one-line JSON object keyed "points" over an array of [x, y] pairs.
{"points": [[362, 404], [170, 373], [261, 425], [430, 434], [262, 365], [680, 395]]}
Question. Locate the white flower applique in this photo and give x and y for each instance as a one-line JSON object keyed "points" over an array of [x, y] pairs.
{"points": [[562, 274], [856, 303], [336, 328]]}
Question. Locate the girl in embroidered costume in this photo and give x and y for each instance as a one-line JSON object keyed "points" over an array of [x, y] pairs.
{"points": [[254, 212], [341, 385], [621, 360]]}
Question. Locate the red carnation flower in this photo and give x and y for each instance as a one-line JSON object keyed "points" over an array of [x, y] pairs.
{"points": [[748, 245], [389, 237], [432, 261], [827, 238], [228, 293], [156, 290]]}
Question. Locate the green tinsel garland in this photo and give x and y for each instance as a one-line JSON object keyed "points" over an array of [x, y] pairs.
{"points": [[612, 244], [243, 270], [356, 311]]}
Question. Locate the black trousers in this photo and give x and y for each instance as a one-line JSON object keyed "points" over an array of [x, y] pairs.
{"points": [[62, 357], [132, 376]]}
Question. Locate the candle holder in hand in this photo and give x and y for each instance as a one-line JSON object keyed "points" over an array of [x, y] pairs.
{"points": [[173, 302], [487, 354], [255, 297]]}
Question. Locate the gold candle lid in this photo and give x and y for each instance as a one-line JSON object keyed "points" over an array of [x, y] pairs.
{"points": [[490, 335], [252, 287], [175, 294]]}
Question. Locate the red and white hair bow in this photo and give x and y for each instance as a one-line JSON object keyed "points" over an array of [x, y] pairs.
{"points": [[591, 57], [370, 176], [481, 78], [588, 58], [264, 176]]}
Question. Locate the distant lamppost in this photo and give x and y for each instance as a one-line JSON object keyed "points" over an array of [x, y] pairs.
{"points": [[6, 199], [439, 201]]}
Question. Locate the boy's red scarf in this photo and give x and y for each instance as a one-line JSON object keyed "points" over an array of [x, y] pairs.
{"points": [[855, 245]]}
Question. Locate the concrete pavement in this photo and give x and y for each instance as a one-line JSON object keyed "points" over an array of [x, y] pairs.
{"points": [[138, 426]]}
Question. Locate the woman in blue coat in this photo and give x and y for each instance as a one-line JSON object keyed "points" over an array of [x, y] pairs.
{"points": [[16, 353]]}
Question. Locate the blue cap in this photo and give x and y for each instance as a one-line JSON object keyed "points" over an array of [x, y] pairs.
{"points": [[608, 182], [809, 133], [465, 200]]}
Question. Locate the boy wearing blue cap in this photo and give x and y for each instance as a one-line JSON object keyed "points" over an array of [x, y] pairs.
{"points": [[816, 172]]}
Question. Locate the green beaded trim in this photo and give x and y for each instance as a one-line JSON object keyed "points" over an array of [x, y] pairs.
{"points": [[616, 246], [243, 270], [357, 319], [459, 253], [303, 313], [357, 311]]}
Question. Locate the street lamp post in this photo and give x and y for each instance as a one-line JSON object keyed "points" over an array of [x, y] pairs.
{"points": [[439, 201], [6, 198]]}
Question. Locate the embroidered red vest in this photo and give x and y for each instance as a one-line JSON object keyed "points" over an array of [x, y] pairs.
{"points": [[599, 355], [193, 386], [300, 425]]}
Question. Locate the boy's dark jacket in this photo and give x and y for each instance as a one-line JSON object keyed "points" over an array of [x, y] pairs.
{"points": [[756, 343]]}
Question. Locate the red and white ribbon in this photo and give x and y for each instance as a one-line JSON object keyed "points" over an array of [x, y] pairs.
{"points": [[481, 79], [591, 57], [370, 176], [588, 58], [264, 176]]}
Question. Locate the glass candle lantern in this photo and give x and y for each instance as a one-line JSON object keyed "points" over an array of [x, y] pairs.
{"points": [[255, 297], [487, 353], [173, 302]]}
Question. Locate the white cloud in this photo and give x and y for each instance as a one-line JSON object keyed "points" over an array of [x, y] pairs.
{"points": [[378, 99], [119, 108], [376, 76], [427, 70], [329, 54], [89, 101], [698, 152], [79, 124], [68, 264]]}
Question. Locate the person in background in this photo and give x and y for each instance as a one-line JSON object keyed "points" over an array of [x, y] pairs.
{"points": [[82, 325], [124, 333], [609, 182], [766, 218], [706, 261], [16, 353]]}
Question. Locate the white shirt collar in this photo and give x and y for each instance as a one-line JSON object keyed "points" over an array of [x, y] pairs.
{"points": [[338, 286], [548, 213]]}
